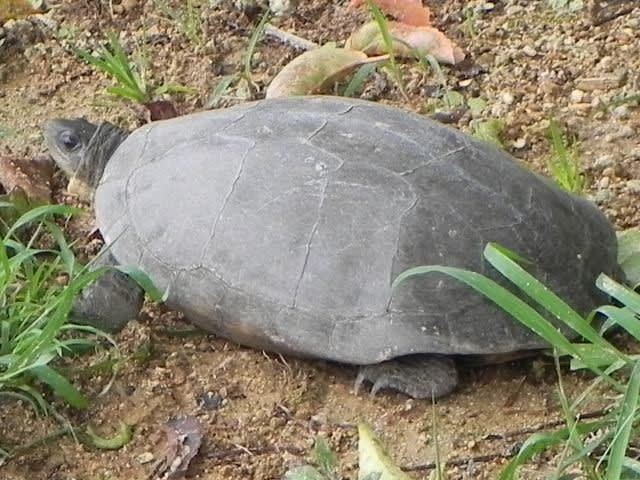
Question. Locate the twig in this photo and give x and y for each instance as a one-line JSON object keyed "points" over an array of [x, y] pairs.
{"points": [[542, 426], [289, 38], [603, 12], [458, 462]]}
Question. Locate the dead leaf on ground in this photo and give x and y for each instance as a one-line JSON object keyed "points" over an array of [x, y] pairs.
{"points": [[316, 70], [411, 12], [33, 177], [14, 9], [184, 437], [407, 39]]}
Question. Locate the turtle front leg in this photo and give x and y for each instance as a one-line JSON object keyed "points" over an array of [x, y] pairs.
{"points": [[109, 302], [420, 376]]}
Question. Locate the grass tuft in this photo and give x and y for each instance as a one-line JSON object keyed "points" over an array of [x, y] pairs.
{"points": [[564, 162], [34, 307], [599, 447], [129, 75]]}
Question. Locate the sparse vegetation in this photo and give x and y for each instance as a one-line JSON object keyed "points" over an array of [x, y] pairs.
{"points": [[35, 306], [394, 68], [564, 161], [187, 19], [131, 81], [599, 446]]}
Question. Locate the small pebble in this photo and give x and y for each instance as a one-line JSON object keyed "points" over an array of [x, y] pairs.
{"points": [[604, 182], [604, 161], [576, 96], [621, 111], [145, 457], [609, 172], [529, 51], [633, 186], [507, 98], [519, 143]]}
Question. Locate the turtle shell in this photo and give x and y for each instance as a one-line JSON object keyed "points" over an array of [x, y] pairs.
{"points": [[281, 224]]}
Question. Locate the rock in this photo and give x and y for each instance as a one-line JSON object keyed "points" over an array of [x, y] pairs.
{"points": [[604, 82], [602, 196], [507, 98], [604, 161], [604, 182], [633, 186], [550, 87], [129, 5], [529, 51], [608, 172], [576, 96], [145, 457], [282, 7], [519, 143], [621, 111]]}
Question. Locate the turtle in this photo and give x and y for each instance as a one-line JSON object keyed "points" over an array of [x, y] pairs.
{"points": [[280, 224]]}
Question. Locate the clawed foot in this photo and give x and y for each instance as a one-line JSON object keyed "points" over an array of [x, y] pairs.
{"points": [[419, 376]]}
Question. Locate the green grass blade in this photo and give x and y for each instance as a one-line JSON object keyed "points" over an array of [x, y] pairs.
{"points": [[253, 42], [66, 254], [510, 304], [624, 426], [356, 85], [623, 317], [126, 92], [61, 386], [546, 298], [143, 280], [621, 293], [221, 89], [538, 442], [40, 212]]}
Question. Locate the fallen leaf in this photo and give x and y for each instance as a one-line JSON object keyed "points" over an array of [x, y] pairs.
{"points": [[183, 443], [13, 9], [161, 110], [373, 458], [316, 70], [411, 12], [33, 177], [407, 40]]}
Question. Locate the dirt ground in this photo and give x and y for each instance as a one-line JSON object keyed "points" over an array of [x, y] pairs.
{"points": [[259, 411]]}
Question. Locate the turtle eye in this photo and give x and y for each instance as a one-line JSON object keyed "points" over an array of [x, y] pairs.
{"points": [[69, 140]]}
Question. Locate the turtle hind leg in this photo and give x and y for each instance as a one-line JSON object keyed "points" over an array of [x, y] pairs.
{"points": [[109, 302], [419, 376]]}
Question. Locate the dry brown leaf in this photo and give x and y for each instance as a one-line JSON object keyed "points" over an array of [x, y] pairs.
{"points": [[184, 437], [407, 38], [411, 12], [12, 9], [33, 177], [316, 70]]}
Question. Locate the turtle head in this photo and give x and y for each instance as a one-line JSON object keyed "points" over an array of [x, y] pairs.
{"points": [[82, 149]]}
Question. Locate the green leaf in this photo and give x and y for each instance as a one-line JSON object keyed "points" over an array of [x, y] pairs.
{"points": [[145, 282], [373, 458], [355, 86], [545, 297], [61, 386], [624, 425], [626, 296], [489, 131], [119, 440], [539, 442], [324, 457]]}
